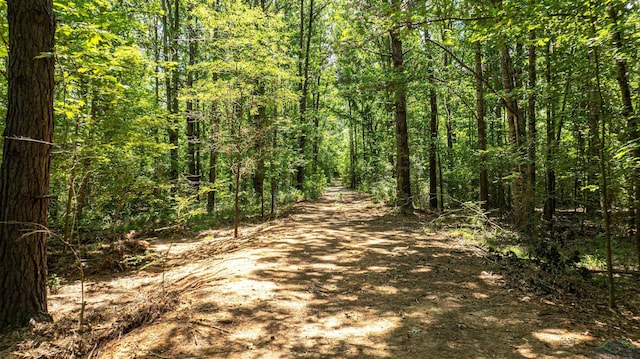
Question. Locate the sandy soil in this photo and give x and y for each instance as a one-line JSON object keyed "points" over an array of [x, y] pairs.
{"points": [[341, 277]]}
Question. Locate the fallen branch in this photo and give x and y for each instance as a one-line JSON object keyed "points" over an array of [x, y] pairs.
{"points": [[623, 272]]}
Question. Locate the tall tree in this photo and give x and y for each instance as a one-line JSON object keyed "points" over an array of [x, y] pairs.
{"points": [[633, 134], [531, 123], [171, 28], [482, 137], [517, 133], [24, 174], [403, 165], [433, 140], [303, 71], [192, 118]]}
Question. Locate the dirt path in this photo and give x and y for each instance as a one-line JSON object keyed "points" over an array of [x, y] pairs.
{"points": [[342, 278]]}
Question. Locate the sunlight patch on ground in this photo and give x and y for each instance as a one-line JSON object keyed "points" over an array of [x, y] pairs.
{"points": [[386, 289], [257, 290], [378, 269], [479, 295], [469, 285], [562, 337], [248, 333], [351, 326], [422, 269]]}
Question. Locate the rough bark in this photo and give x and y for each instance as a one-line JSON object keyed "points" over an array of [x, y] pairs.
{"points": [[170, 54], [24, 174], [433, 134], [631, 117], [303, 72], [403, 180]]}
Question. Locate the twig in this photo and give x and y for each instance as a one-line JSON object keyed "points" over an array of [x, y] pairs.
{"points": [[152, 353], [625, 272], [219, 329]]}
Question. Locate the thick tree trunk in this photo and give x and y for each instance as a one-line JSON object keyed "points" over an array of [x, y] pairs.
{"points": [[303, 71], [632, 122], [24, 174], [403, 180], [433, 135], [170, 54], [482, 136]]}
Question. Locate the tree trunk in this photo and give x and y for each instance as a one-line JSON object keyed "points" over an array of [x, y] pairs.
{"points": [[192, 139], [24, 174], [516, 139], [236, 204], [175, 106], [433, 138], [531, 125], [169, 21], [83, 191], [316, 126], [353, 182], [447, 107], [303, 72], [403, 180], [259, 120], [550, 188], [632, 122], [213, 160], [482, 136], [274, 184], [593, 153]]}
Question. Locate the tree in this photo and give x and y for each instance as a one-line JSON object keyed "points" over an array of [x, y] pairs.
{"points": [[403, 165], [482, 137], [24, 174], [303, 71], [633, 134]]}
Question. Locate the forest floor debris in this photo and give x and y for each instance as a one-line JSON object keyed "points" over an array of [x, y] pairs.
{"points": [[339, 277]]}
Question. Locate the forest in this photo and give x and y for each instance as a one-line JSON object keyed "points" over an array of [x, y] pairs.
{"points": [[143, 137]]}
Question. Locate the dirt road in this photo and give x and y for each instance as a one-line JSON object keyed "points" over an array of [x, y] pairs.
{"points": [[342, 277]]}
